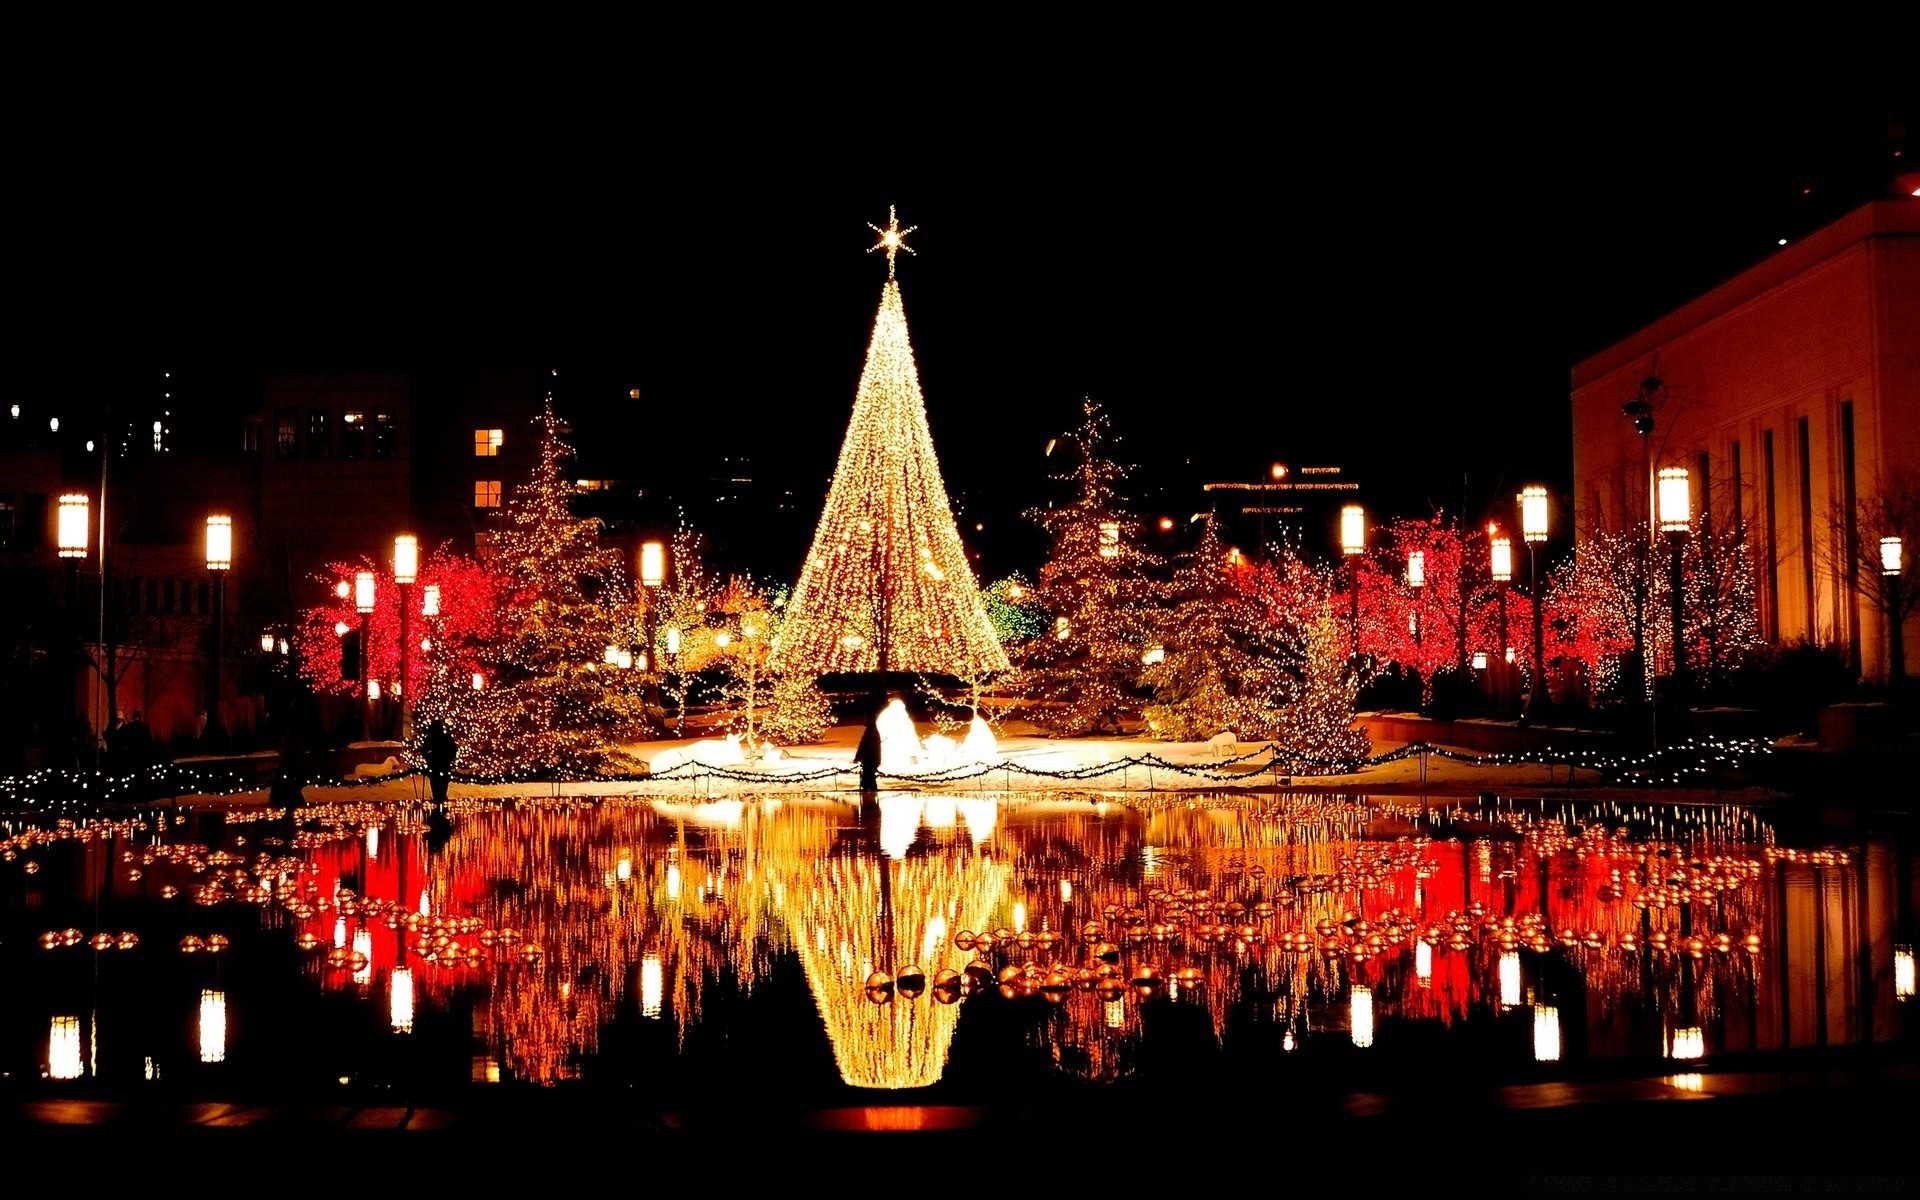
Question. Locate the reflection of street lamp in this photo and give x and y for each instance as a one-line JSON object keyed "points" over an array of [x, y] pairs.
{"points": [[1676, 503], [363, 603], [1890, 576], [1353, 541], [219, 562], [1533, 528], [406, 565]]}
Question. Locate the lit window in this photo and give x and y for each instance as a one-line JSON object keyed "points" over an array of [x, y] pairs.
{"points": [[486, 493], [381, 430], [284, 443], [317, 440], [486, 442], [353, 435]]}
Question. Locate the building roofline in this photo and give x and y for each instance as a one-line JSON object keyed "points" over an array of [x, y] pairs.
{"points": [[1893, 217]]}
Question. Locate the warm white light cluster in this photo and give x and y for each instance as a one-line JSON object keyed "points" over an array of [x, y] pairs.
{"points": [[886, 585]]}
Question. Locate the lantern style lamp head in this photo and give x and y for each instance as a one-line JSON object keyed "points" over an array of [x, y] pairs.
{"points": [[219, 543], [1502, 559], [653, 564], [1676, 500], [1416, 568], [430, 600], [1533, 514], [73, 525], [363, 591], [1889, 555], [1353, 529], [406, 559]]}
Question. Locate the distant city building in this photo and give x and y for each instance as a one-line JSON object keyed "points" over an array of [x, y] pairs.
{"points": [[1296, 505]]}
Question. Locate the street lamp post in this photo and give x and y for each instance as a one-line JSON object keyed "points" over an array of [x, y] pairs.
{"points": [[363, 603], [653, 576], [1417, 580], [1676, 503], [219, 562], [73, 531], [406, 566], [1890, 576], [1501, 565], [680, 695], [1353, 541], [1533, 529]]}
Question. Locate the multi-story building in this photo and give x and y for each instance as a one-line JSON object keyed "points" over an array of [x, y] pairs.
{"points": [[1790, 394], [312, 471]]}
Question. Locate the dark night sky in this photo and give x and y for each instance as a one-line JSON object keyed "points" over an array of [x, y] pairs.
{"points": [[1397, 285]]}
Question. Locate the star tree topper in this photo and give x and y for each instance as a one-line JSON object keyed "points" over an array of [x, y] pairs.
{"points": [[893, 239]]}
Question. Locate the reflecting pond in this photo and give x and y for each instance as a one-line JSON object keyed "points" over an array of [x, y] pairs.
{"points": [[964, 946]]}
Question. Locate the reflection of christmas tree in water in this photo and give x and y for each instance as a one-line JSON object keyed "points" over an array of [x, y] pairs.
{"points": [[856, 914], [887, 586], [1246, 909]]}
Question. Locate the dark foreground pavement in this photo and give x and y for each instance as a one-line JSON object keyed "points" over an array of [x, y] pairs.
{"points": [[1805, 1125]]}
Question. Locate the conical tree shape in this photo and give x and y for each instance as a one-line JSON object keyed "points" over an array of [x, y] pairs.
{"points": [[886, 586]]}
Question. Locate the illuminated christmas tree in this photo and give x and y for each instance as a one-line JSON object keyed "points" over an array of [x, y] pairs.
{"points": [[1097, 585], [886, 586], [1217, 663], [545, 699], [1318, 723]]}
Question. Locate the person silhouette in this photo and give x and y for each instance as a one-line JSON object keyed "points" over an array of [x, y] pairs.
{"points": [[440, 750], [867, 754]]}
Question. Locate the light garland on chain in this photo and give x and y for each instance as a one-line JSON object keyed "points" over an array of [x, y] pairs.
{"points": [[886, 584], [58, 792]]}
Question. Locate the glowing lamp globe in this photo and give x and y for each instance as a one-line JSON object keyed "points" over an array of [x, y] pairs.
{"points": [[73, 525], [1502, 559], [1353, 529], [1416, 568], [1676, 500], [219, 543], [363, 591], [1533, 513], [406, 558], [1889, 555]]}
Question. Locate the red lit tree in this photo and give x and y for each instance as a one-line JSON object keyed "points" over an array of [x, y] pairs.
{"points": [[327, 640]]}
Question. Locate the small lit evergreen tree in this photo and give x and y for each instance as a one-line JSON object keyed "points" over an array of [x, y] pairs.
{"points": [[1316, 727], [1218, 661], [548, 703], [1081, 676]]}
